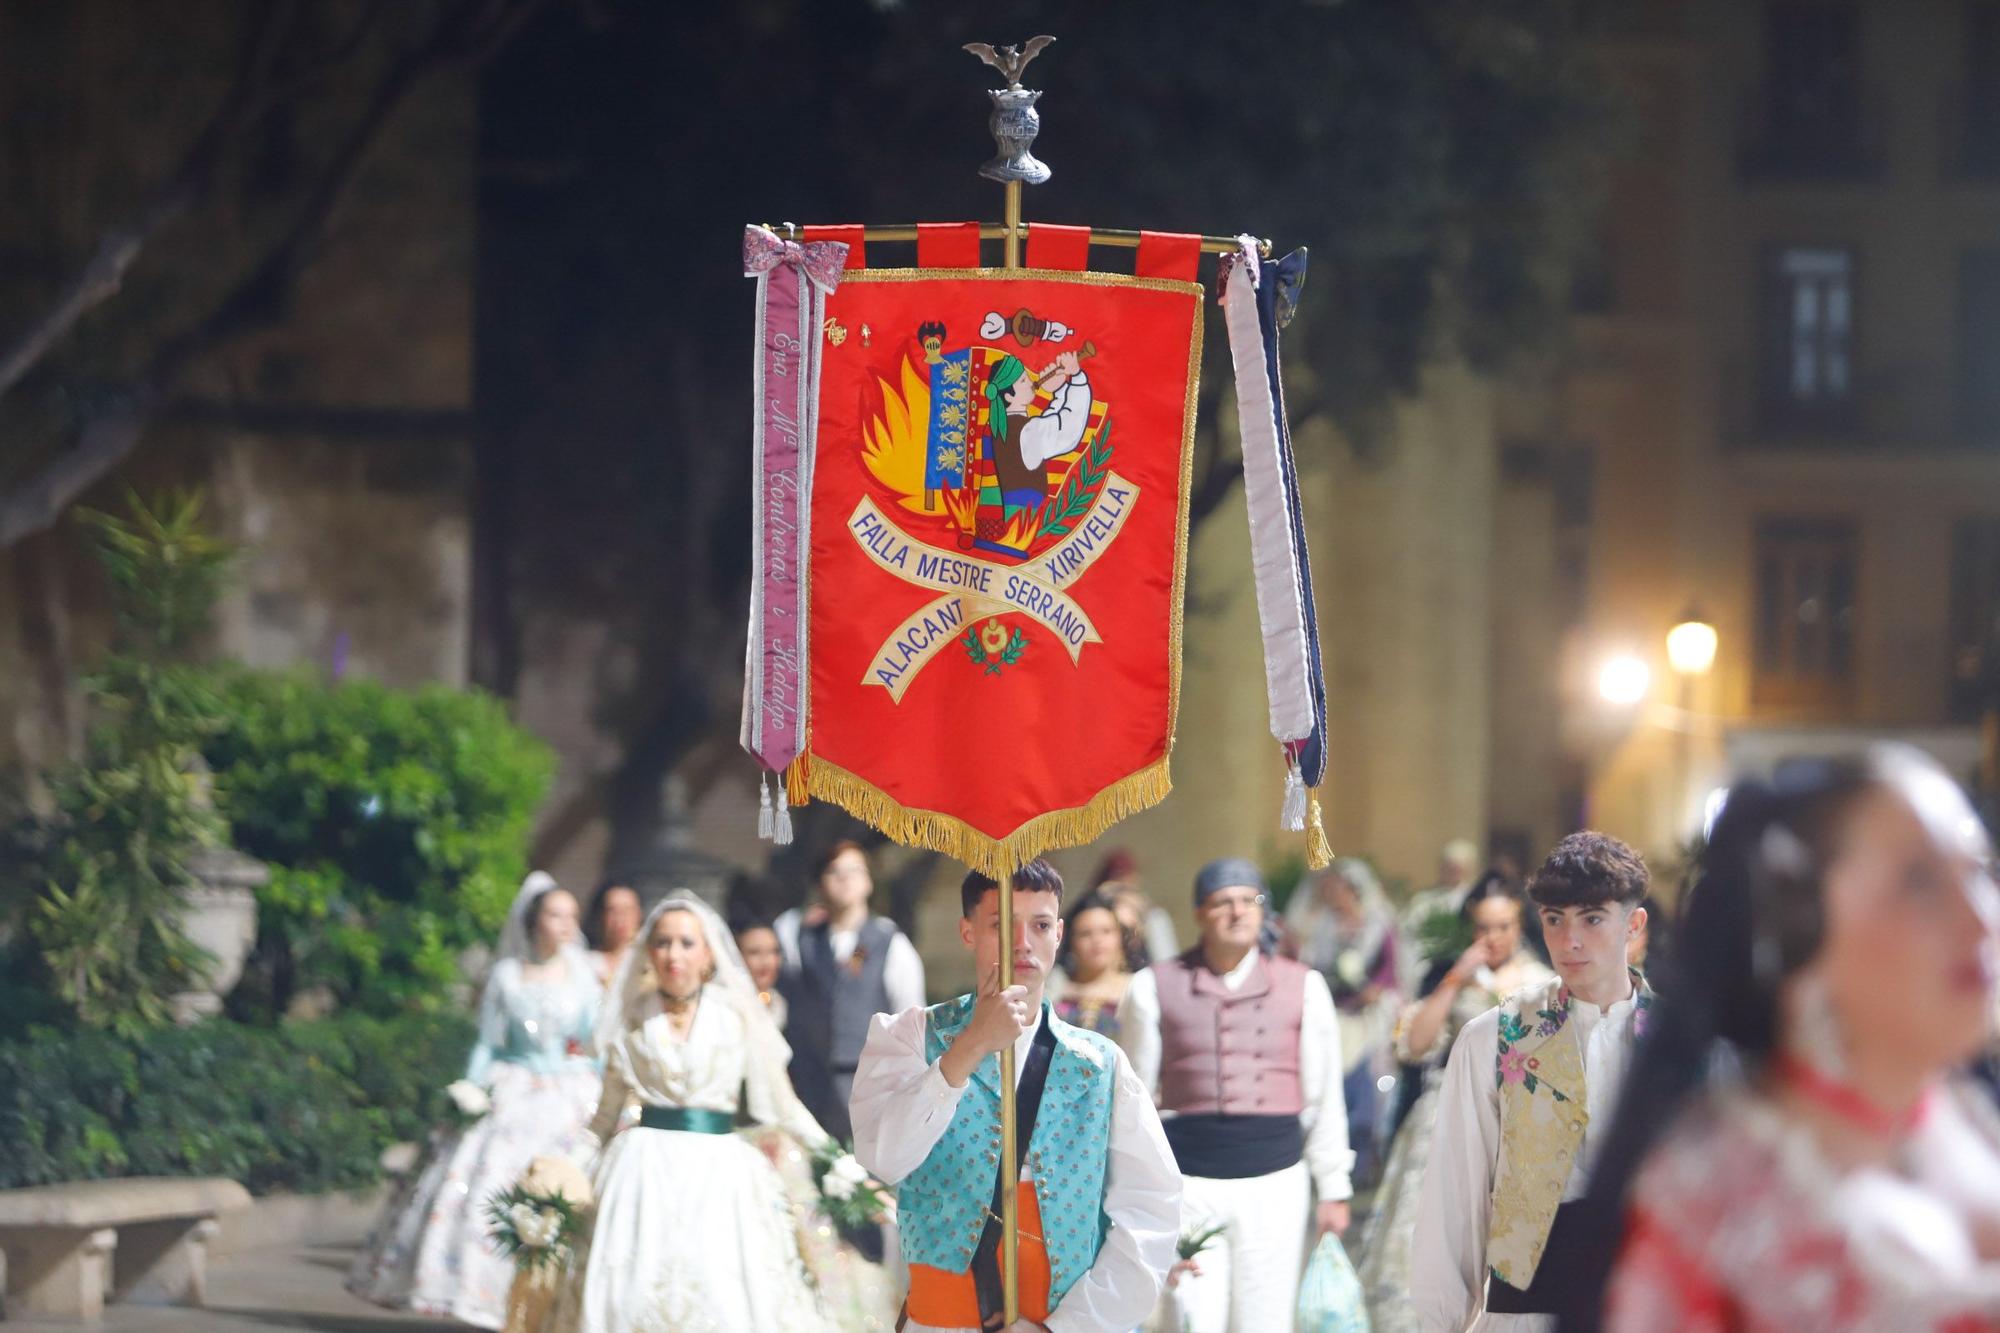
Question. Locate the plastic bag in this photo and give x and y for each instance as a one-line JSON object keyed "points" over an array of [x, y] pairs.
{"points": [[1330, 1299]]}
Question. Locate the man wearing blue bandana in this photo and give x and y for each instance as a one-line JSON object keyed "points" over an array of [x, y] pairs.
{"points": [[1243, 1049], [1098, 1191]]}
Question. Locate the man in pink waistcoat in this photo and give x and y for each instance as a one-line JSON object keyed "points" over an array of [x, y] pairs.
{"points": [[1242, 1051]]}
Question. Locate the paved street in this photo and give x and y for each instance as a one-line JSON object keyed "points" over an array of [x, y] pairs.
{"points": [[262, 1291]]}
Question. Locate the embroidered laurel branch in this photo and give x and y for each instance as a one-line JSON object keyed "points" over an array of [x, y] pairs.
{"points": [[1079, 489], [1017, 643]]}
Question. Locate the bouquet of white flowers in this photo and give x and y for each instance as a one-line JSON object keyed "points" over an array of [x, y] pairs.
{"points": [[469, 1101], [536, 1230], [850, 1196]]}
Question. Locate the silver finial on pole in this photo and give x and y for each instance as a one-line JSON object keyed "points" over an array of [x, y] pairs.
{"points": [[1014, 121]]}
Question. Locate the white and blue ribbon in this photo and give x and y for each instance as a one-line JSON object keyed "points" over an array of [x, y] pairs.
{"points": [[1258, 298]]}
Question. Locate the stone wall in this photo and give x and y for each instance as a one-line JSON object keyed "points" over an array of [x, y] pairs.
{"points": [[334, 442]]}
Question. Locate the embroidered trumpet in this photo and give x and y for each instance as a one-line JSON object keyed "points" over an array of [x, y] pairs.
{"points": [[1083, 353]]}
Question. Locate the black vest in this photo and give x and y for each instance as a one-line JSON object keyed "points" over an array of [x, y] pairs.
{"points": [[830, 1003]]}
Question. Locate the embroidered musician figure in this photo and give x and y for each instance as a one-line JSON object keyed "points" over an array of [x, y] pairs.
{"points": [[1017, 446], [1527, 1098]]}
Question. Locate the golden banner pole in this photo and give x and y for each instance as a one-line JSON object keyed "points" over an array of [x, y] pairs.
{"points": [[1014, 123], [1010, 1204]]}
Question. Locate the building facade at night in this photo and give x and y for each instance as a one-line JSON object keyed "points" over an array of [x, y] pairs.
{"points": [[1782, 405]]}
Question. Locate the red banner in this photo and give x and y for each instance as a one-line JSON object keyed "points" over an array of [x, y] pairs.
{"points": [[999, 544]]}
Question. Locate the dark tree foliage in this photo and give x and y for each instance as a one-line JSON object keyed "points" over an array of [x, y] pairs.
{"points": [[90, 356]]}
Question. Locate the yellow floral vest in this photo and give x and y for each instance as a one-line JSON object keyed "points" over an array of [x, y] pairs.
{"points": [[1543, 1111]]}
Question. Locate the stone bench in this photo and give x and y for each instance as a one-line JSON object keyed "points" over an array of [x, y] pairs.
{"points": [[67, 1248]]}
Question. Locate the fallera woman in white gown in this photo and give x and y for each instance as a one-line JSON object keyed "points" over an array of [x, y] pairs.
{"points": [[536, 1063], [691, 1230]]}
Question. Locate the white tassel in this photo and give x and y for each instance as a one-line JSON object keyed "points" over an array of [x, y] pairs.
{"points": [[1294, 815], [764, 825], [782, 825]]}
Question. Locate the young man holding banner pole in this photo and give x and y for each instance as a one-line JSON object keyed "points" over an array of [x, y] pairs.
{"points": [[1096, 1189]]}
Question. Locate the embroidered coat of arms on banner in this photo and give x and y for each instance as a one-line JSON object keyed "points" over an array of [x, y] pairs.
{"points": [[998, 549]]}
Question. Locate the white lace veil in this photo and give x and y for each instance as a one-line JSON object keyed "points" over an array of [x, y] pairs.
{"points": [[516, 940], [634, 994]]}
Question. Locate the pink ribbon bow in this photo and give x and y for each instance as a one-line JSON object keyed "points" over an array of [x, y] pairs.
{"points": [[821, 261]]}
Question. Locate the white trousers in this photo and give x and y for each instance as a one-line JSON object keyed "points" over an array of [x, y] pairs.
{"points": [[1249, 1280], [1512, 1323]]}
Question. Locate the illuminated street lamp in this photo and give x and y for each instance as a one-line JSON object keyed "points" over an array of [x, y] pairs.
{"points": [[1691, 646], [1691, 653], [1624, 680]]}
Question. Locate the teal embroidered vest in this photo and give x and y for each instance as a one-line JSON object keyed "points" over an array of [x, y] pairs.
{"points": [[941, 1206]]}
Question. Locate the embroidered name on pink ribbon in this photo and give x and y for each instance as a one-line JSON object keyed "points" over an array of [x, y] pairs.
{"points": [[792, 283]]}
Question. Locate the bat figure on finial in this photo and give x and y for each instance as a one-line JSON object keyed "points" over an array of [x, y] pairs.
{"points": [[1010, 60], [1014, 121]]}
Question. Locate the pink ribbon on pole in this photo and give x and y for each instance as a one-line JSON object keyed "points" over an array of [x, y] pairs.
{"points": [[793, 281], [822, 261]]}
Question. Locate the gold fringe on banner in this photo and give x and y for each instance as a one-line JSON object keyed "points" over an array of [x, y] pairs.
{"points": [[797, 789], [997, 857], [1319, 852]]}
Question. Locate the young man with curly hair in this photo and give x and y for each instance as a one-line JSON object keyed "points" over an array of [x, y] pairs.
{"points": [[1528, 1097]]}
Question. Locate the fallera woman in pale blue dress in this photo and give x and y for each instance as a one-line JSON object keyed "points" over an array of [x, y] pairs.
{"points": [[535, 1062]]}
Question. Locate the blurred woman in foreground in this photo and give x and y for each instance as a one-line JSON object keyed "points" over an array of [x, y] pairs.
{"points": [[1792, 1150]]}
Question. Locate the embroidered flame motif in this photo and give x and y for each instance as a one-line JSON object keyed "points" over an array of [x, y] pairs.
{"points": [[1023, 528], [961, 505], [896, 446], [896, 440]]}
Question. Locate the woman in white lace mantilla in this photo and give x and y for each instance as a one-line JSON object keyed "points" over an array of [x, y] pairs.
{"points": [[531, 1082], [691, 1229]]}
